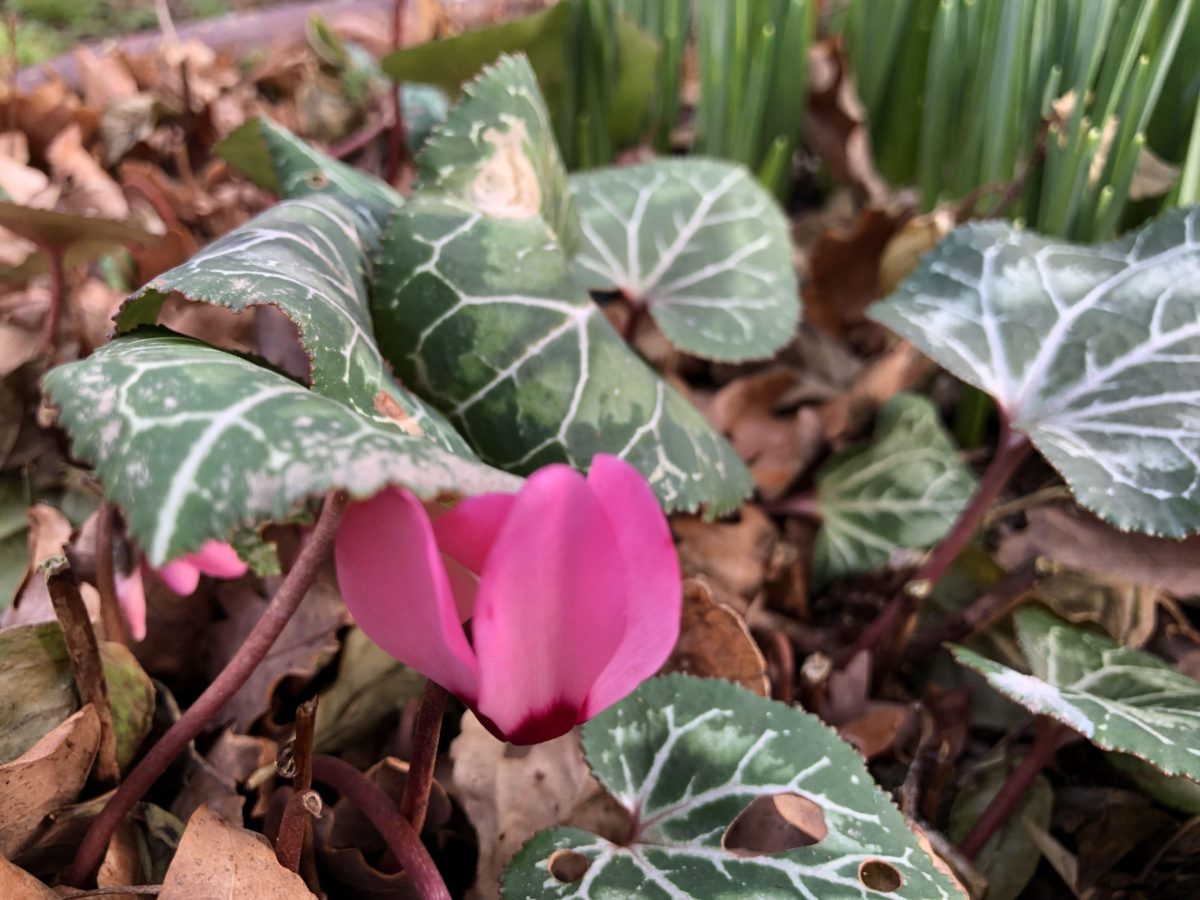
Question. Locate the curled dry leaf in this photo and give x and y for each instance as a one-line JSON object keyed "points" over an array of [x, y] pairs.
{"points": [[92, 192], [45, 778], [714, 642], [219, 861], [845, 271], [732, 556], [778, 448], [307, 642], [511, 793], [909, 243]]}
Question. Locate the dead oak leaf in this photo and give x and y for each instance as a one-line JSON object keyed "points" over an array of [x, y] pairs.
{"points": [[217, 861], [308, 641]]}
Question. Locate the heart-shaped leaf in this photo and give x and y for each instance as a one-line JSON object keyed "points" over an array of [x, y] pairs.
{"points": [[687, 757], [1119, 699], [700, 244], [192, 442], [901, 491], [477, 309], [1091, 351], [306, 257]]}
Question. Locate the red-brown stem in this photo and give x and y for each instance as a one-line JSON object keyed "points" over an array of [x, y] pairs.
{"points": [[637, 309], [58, 295], [800, 505], [396, 150], [1048, 733], [264, 634], [1011, 451], [378, 807], [428, 728], [293, 828], [301, 808], [115, 626], [784, 659], [84, 651]]}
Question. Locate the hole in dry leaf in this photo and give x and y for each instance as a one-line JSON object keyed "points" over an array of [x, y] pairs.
{"points": [[317, 179], [775, 824], [879, 875], [568, 866]]}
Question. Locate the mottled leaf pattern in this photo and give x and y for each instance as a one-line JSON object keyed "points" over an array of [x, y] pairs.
{"points": [[1094, 352], [307, 257], [701, 244], [477, 309], [902, 490], [192, 442], [1120, 699], [685, 756]]}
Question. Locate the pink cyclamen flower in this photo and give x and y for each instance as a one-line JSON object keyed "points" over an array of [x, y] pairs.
{"points": [[182, 575], [572, 587]]}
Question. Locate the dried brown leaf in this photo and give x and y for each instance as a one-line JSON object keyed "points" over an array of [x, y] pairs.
{"points": [[845, 271], [45, 778], [714, 642], [219, 861], [731, 556], [18, 884]]}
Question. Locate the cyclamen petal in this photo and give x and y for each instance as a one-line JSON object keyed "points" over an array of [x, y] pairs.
{"points": [[182, 576], [131, 594], [576, 602]]}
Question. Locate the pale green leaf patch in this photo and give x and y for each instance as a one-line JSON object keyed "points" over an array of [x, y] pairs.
{"points": [[700, 244], [1119, 699], [192, 443], [903, 490], [685, 756], [1093, 352]]}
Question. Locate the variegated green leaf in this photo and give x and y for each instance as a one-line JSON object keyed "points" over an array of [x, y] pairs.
{"points": [[306, 257], [1119, 699], [1094, 352], [192, 442], [278, 161], [903, 490], [496, 152], [477, 309], [700, 244], [685, 756]]}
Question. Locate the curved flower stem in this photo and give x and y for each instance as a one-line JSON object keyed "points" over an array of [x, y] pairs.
{"points": [[397, 152], [265, 632], [428, 728], [1011, 451], [1047, 737], [378, 807], [58, 295]]}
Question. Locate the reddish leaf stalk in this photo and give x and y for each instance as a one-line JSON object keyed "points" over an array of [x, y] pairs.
{"points": [[428, 728], [1011, 451], [115, 626], [58, 295], [301, 808], [378, 807], [294, 833], [1047, 736], [397, 152], [84, 652], [264, 634]]}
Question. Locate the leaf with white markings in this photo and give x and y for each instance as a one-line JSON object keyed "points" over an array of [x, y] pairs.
{"points": [[478, 311], [278, 161], [692, 760], [307, 257], [700, 244], [901, 491], [1119, 699], [192, 442], [1093, 352]]}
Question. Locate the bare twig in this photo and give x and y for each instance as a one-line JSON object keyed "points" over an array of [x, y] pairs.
{"points": [[264, 634], [399, 835], [58, 295], [84, 651], [115, 626], [302, 807], [295, 837], [1048, 736], [415, 802]]}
